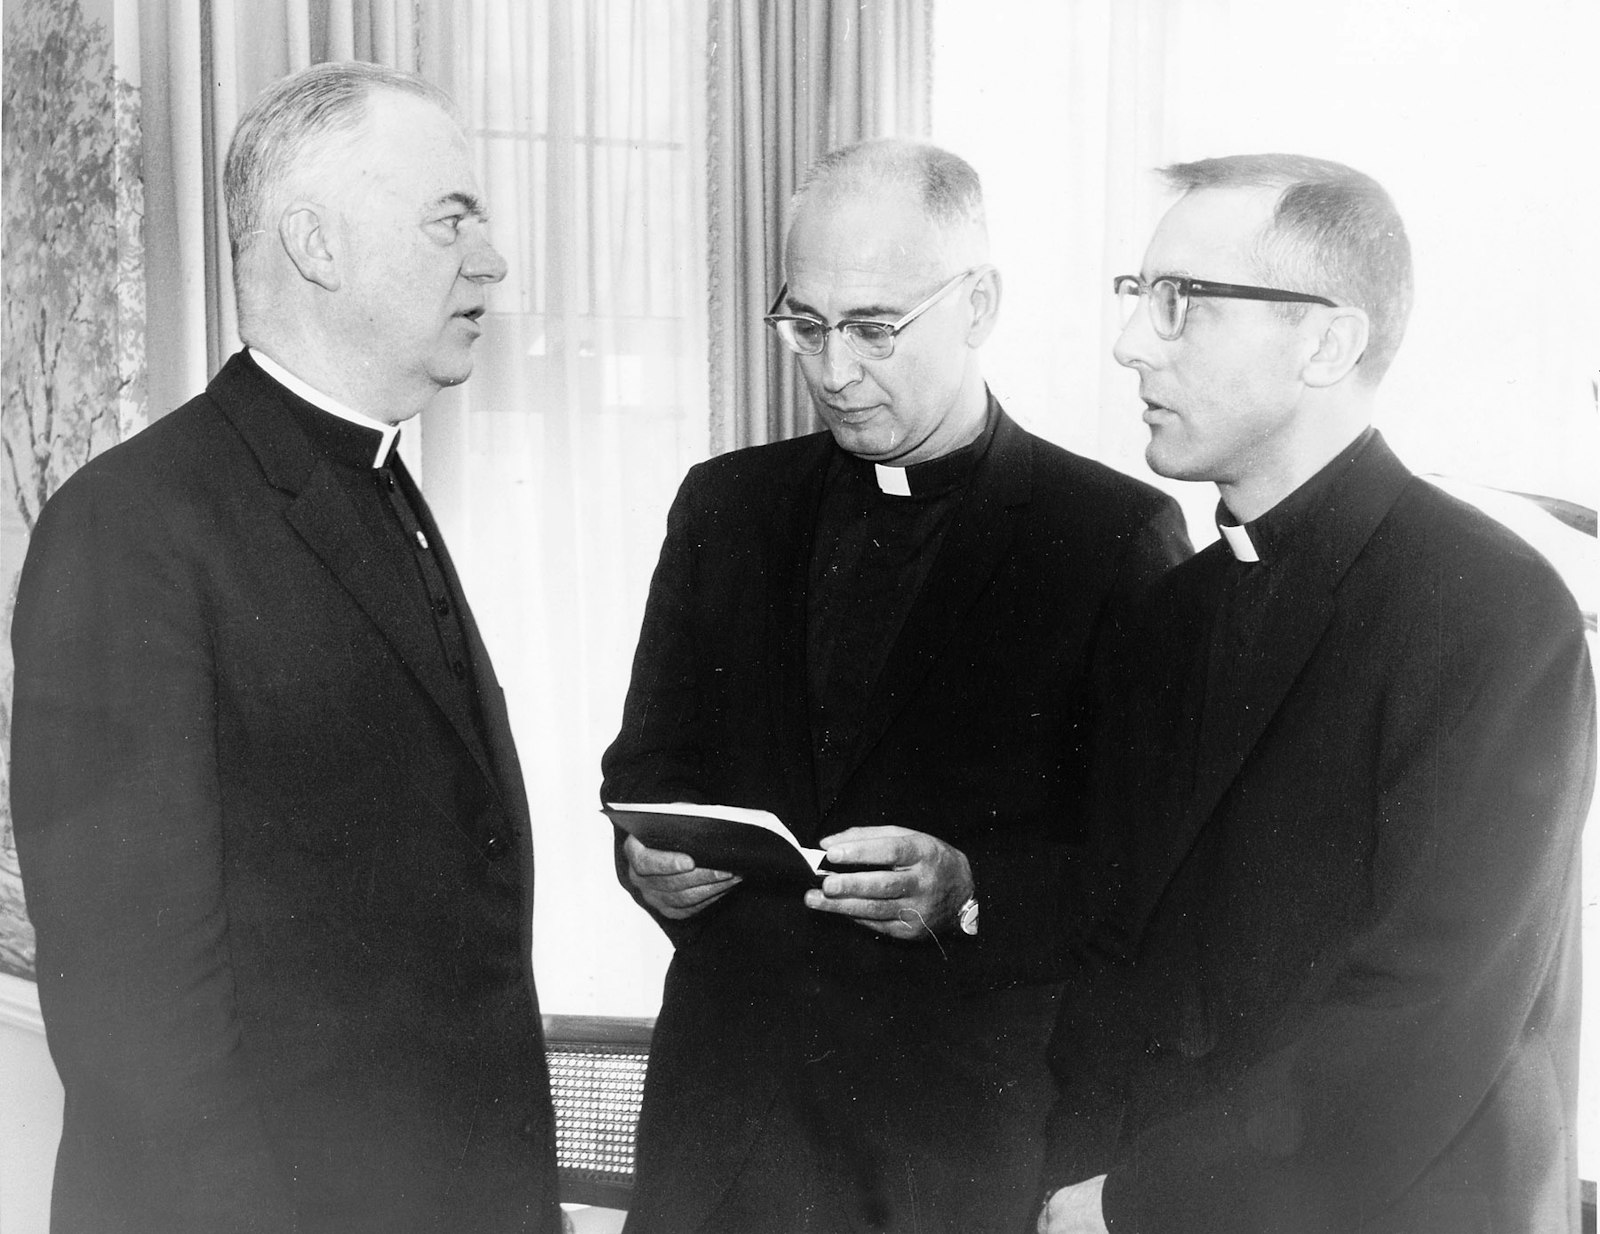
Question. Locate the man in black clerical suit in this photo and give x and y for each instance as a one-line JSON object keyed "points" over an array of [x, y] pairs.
{"points": [[880, 633], [272, 829], [1332, 980]]}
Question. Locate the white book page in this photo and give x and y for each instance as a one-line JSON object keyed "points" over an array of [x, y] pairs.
{"points": [[765, 819]]}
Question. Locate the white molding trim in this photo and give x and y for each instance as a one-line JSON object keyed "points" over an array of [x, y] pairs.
{"points": [[19, 1003]]}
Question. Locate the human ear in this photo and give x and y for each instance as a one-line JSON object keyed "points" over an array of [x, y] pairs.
{"points": [[984, 302], [303, 231], [1340, 346]]}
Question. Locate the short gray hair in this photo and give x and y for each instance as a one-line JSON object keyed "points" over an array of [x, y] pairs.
{"points": [[1334, 232], [293, 117], [944, 183]]}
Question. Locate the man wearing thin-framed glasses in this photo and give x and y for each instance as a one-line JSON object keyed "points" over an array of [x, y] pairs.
{"points": [[880, 633], [1327, 979]]}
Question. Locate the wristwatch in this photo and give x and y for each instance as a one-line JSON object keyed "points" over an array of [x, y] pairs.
{"points": [[967, 917]]}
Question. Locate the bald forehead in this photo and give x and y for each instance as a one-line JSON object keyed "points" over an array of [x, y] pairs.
{"points": [[886, 232], [891, 219]]}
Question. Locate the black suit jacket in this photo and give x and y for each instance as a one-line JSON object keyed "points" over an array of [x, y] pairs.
{"points": [[1338, 990], [896, 1052], [281, 874]]}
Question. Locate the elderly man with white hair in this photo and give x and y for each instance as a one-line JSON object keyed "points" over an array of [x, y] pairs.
{"points": [[272, 829]]}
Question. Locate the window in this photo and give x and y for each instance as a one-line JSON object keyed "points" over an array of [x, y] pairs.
{"points": [[552, 469]]}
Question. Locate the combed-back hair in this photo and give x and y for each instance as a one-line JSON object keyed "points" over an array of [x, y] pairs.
{"points": [[1334, 232], [944, 183], [294, 118]]}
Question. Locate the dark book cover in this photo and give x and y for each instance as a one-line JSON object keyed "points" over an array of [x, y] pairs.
{"points": [[751, 843]]}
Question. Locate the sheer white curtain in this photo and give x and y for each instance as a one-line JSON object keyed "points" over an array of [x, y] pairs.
{"points": [[552, 469]]}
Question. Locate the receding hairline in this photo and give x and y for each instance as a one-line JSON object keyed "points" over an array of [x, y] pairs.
{"points": [[939, 186], [942, 183], [1251, 171], [297, 124], [1330, 230]]}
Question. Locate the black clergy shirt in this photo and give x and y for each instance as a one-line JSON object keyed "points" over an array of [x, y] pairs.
{"points": [[871, 555]]}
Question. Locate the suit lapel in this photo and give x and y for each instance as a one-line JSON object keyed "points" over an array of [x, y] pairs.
{"points": [[323, 515], [974, 545], [1302, 607], [1304, 603], [1291, 634], [364, 565]]}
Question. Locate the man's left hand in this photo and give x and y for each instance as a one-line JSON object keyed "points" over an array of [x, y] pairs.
{"points": [[918, 886]]}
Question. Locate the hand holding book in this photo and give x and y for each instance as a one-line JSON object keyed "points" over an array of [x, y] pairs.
{"points": [[902, 883], [731, 840]]}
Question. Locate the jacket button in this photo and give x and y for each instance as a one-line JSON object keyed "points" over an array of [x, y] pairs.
{"points": [[495, 848], [528, 1129]]}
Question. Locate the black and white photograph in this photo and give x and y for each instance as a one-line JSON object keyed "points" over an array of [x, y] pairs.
{"points": [[1086, 508]]}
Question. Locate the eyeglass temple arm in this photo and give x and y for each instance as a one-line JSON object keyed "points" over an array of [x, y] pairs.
{"points": [[1238, 291]]}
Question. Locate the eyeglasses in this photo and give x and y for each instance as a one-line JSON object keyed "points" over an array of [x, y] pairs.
{"points": [[1169, 296], [871, 340]]}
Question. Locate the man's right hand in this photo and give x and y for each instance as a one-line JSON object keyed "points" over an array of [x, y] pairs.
{"points": [[1075, 1209], [671, 883]]}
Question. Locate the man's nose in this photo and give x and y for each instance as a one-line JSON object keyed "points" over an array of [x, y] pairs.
{"points": [[1134, 345], [484, 263], [840, 365]]}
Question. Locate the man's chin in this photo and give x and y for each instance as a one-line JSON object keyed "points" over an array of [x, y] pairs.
{"points": [[452, 374], [856, 440], [1162, 458], [1173, 464]]}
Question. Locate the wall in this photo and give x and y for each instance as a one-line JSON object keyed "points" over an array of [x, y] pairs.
{"points": [[30, 1111], [73, 281], [1478, 116]]}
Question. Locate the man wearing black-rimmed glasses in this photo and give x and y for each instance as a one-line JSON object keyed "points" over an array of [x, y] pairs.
{"points": [[1331, 983], [880, 633]]}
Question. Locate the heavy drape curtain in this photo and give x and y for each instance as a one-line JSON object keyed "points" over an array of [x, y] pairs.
{"points": [[790, 80]]}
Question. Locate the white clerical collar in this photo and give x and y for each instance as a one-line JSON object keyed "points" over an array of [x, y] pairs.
{"points": [[1238, 537], [333, 407], [892, 480]]}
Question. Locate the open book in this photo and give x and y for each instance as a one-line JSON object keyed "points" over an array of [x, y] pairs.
{"points": [[751, 843]]}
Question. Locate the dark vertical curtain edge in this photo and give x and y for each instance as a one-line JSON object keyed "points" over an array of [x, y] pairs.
{"points": [[788, 80]]}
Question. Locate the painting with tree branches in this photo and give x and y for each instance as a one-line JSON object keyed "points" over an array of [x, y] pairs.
{"points": [[72, 361]]}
